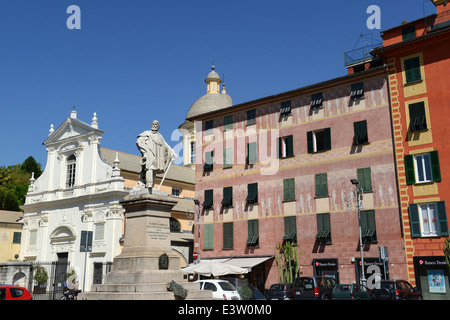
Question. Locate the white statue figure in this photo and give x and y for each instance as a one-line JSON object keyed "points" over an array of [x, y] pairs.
{"points": [[157, 156]]}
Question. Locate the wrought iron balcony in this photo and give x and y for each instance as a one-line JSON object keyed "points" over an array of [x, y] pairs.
{"points": [[361, 50], [437, 21]]}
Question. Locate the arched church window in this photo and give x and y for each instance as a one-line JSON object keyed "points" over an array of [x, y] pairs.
{"points": [[71, 163]]}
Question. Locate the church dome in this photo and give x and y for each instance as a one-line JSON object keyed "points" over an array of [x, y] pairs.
{"points": [[208, 103], [213, 100]]}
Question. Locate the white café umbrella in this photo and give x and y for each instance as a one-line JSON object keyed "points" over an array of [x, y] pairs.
{"points": [[209, 267]]}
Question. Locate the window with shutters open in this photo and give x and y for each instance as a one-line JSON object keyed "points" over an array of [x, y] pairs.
{"points": [[285, 147], [422, 168], [428, 219], [319, 140]]}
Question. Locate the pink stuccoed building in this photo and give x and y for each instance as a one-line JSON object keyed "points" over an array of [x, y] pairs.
{"points": [[278, 169]]}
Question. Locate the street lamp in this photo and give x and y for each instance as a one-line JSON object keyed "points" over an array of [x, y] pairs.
{"points": [[358, 193], [197, 206]]}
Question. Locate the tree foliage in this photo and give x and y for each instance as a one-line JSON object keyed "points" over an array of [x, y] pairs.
{"points": [[14, 181]]}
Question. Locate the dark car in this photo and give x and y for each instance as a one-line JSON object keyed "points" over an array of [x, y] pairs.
{"points": [[314, 288], [351, 292], [395, 290], [280, 291], [9, 292]]}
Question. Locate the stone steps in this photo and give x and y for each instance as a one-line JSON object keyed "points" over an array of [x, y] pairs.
{"points": [[153, 291]]}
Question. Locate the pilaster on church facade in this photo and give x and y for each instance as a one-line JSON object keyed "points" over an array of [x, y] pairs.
{"points": [[78, 194]]}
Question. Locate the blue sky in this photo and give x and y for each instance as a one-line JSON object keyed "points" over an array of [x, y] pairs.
{"points": [[134, 61]]}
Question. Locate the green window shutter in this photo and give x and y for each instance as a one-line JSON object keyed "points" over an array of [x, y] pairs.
{"points": [[412, 69], [417, 118], [227, 157], [414, 219], [208, 202], [228, 235], [290, 229], [208, 237], [227, 200], [289, 146], [364, 176], [253, 233], [309, 139], [280, 148], [251, 153], [252, 193], [327, 136], [409, 169], [323, 228], [321, 185], [435, 168], [368, 226], [17, 236], [228, 123], [442, 218], [289, 189], [209, 160]]}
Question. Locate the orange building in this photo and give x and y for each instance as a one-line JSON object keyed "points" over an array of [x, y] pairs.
{"points": [[417, 56]]}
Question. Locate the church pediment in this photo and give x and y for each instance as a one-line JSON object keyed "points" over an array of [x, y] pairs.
{"points": [[70, 129]]}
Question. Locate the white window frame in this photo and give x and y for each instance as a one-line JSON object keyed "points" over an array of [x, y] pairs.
{"points": [[192, 144], [71, 172], [429, 223], [419, 160]]}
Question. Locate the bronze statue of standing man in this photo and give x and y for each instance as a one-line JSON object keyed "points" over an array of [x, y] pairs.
{"points": [[157, 156]]}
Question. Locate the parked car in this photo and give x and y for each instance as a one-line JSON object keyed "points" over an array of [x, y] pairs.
{"points": [[221, 289], [351, 292], [245, 290], [280, 291], [395, 290], [314, 288], [9, 292]]}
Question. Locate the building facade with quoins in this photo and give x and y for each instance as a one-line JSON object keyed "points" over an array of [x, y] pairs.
{"points": [[417, 55]]}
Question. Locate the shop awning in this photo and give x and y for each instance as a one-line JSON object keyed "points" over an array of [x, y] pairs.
{"points": [[247, 262]]}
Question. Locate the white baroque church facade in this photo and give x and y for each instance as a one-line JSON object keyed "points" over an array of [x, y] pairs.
{"points": [[72, 212]]}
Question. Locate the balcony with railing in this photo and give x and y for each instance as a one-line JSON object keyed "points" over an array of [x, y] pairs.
{"points": [[361, 50], [437, 21]]}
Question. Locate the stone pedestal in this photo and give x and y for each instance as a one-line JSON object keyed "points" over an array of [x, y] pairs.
{"points": [[147, 262]]}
